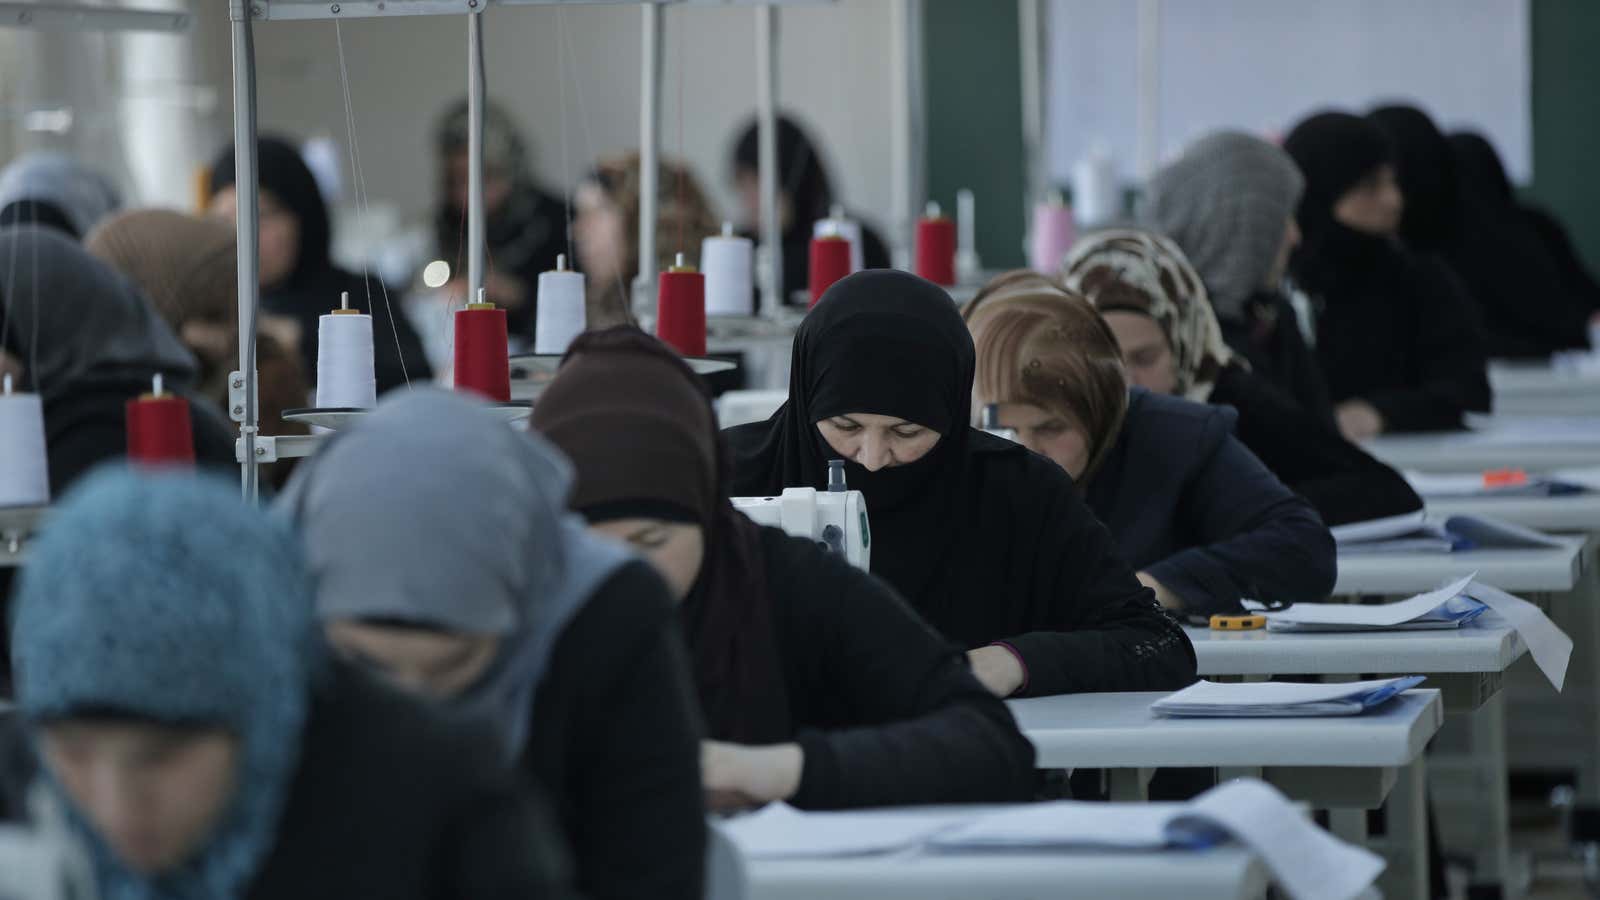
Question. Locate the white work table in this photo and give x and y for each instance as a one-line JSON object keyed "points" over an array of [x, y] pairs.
{"points": [[1515, 571], [1566, 513], [1539, 388], [1467, 451], [1471, 649], [1220, 873]]}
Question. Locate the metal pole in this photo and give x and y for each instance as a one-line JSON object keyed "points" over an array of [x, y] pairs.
{"points": [[772, 286], [1149, 86], [1030, 28], [905, 127], [644, 283], [247, 224], [475, 232]]}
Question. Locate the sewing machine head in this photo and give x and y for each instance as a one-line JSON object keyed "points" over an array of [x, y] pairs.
{"points": [[836, 518]]}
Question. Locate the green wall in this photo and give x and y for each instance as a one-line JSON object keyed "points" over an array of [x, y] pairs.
{"points": [[974, 117]]}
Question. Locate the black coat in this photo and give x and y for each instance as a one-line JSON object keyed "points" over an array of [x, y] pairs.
{"points": [[1190, 505], [1269, 339], [615, 739]]}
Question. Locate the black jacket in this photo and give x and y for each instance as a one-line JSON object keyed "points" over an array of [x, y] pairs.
{"points": [[1345, 483], [615, 739], [886, 710], [1269, 339], [1190, 505]]}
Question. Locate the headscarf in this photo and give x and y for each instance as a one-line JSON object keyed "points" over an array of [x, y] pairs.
{"points": [[1041, 344], [186, 265], [434, 512], [1334, 151], [801, 173], [74, 322], [683, 210], [162, 597], [55, 189], [1427, 177], [281, 170], [1479, 165], [1126, 270], [642, 434], [1226, 201]]}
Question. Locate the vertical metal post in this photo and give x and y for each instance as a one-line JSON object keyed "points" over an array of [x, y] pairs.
{"points": [[772, 286], [644, 283], [248, 224], [1030, 37], [476, 245], [906, 126], [1149, 86]]}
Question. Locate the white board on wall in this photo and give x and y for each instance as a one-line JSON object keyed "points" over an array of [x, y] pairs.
{"points": [[1262, 65]]}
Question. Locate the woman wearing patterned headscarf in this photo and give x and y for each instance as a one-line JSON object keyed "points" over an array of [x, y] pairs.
{"points": [[1158, 309]]}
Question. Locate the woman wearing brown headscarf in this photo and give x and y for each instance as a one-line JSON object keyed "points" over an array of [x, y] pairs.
{"points": [[818, 684]]}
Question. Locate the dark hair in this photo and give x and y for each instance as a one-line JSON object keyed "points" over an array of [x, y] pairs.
{"points": [[801, 173]]}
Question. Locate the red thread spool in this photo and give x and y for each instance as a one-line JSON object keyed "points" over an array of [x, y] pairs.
{"points": [[681, 309], [482, 365], [830, 261], [159, 432], [936, 247]]}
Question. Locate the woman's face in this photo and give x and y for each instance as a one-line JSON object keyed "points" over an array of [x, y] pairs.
{"points": [[436, 664], [877, 442], [1151, 362], [1057, 436], [496, 186], [748, 185], [152, 792], [602, 245], [278, 237], [676, 549], [1374, 205]]}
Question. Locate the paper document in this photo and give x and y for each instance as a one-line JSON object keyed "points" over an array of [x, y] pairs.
{"points": [[1549, 646], [1379, 529], [1391, 535], [779, 831], [1273, 699], [1380, 614]]}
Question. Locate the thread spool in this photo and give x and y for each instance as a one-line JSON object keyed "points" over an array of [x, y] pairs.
{"points": [[681, 309], [159, 432], [1096, 196], [561, 315], [345, 378], [849, 229], [1054, 233], [483, 363], [968, 267], [936, 247], [728, 262], [830, 261], [24, 470]]}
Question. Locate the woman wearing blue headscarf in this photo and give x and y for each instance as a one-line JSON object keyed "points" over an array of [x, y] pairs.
{"points": [[174, 704], [446, 561]]}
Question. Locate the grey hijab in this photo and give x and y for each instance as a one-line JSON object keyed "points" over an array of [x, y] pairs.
{"points": [[1226, 201], [83, 195], [73, 320], [433, 512]]}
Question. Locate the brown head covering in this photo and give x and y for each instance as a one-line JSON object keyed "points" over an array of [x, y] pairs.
{"points": [[186, 265], [639, 428], [1041, 344], [1129, 270]]}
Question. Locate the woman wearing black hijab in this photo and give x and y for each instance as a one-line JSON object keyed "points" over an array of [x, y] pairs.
{"points": [[819, 686], [805, 194], [1400, 344], [299, 280], [989, 542]]}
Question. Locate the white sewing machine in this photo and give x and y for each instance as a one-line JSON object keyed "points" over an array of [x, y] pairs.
{"points": [[836, 518]]}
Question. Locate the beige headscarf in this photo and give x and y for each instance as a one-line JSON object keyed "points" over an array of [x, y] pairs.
{"points": [[183, 263], [1139, 271]]}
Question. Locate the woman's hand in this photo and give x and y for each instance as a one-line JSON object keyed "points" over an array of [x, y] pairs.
{"points": [[1359, 420], [1164, 596], [997, 669], [736, 776]]}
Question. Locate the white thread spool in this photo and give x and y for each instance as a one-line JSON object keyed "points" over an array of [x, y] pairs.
{"points": [[345, 377], [849, 229], [968, 268], [728, 262], [560, 316], [24, 472]]}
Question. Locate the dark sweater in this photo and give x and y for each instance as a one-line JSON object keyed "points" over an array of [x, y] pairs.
{"points": [[1187, 503], [389, 801], [615, 738], [886, 710], [1345, 483], [1269, 339]]}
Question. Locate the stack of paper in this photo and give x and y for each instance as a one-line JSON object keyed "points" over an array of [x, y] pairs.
{"points": [[1415, 532], [1430, 484], [1276, 699]]}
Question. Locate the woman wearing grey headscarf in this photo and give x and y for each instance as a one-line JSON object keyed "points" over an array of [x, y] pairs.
{"points": [[1229, 203], [57, 191], [446, 560]]}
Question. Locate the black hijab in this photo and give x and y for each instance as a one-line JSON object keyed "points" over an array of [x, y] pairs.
{"points": [[1427, 177], [1335, 151], [640, 430], [801, 174], [281, 170]]}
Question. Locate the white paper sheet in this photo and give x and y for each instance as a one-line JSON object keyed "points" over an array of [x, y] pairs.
{"points": [[779, 831], [1549, 646], [1273, 698], [1379, 529], [1066, 823], [1382, 614]]}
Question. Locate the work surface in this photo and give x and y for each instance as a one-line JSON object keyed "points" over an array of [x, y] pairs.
{"points": [[1476, 647], [1469, 451], [1514, 571], [1106, 731], [1569, 513]]}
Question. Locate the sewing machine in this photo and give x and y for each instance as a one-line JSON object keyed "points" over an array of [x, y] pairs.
{"points": [[836, 518]]}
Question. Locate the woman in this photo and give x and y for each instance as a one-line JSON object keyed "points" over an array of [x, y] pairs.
{"points": [[1199, 515], [805, 195], [1156, 306], [446, 561], [820, 687], [56, 191], [990, 543], [83, 337], [299, 280], [525, 226], [1229, 202], [187, 266], [1398, 341], [173, 700]]}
